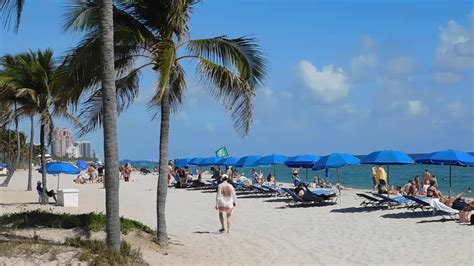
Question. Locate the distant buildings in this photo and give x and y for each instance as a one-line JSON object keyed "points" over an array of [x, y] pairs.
{"points": [[62, 140], [63, 145]]}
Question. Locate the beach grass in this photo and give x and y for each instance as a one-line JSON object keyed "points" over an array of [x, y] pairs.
{"points": [[94, 222]]}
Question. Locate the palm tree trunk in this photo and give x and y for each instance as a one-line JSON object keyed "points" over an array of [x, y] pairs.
{"points": [[109, 101], [30, 155], [44, 197], [162, 187], [18, 146]]}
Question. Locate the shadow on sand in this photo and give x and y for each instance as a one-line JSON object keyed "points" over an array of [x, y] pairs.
{"points": [[356, 209], [207, 232]]}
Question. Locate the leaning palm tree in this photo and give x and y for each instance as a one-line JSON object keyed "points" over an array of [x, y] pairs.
{"points": [[10, 7], [35, 80], [157, 33]]}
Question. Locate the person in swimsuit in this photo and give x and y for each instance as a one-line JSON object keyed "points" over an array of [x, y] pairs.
{"points": [[225, 202], [433, 192], [426, 180]]}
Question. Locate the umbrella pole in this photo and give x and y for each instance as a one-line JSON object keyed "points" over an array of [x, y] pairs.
{"points": [[388, 173], [450, 181], [58, 182], [306, 174], [337, 173]]}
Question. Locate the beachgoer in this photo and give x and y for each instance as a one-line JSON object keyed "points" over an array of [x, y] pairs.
{"points": [[226, 200], [127, 172], [433, 177], [374, 176], [426, 180], [182, 177], [412, 190], [417, 183], [271, 179], [382, 187], [49, 193], [79, 180], [255, 176], [381, 175], [100, 170], [91, 173], [296, 178], [407, 186], [432, 192]]}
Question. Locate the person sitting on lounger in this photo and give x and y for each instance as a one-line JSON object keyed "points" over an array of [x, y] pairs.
{"points": [[433, 192], [296, 178], [382, 187], [271, 179], [50, 193], [79, 180], [412, 190]]}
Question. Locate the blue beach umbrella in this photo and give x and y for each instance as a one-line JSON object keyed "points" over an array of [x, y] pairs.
{"points": [[82, 165], [210, 161], [56, 168], [336, 160], [182, 162], [272, 159], [248, 161], [195, 161], [305, 161], [448, 157], [387, 157], [230, 161]]}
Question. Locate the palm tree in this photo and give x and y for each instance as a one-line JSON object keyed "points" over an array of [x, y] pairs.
{"points": [[35, 80], [158, 33]]}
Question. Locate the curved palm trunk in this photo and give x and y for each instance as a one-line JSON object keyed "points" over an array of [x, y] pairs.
{"points": [[109, 101], [18, 146], [162, 187], [30, 155], [44, 197]]}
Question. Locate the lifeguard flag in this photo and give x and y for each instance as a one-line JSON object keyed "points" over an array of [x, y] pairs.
{"points": [[222, 153]]}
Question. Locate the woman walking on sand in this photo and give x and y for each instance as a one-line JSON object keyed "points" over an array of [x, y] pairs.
{"points": [[225, 202]]}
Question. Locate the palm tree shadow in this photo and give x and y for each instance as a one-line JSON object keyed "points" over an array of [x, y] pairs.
{"points": [[206, 232], [402, 215]]}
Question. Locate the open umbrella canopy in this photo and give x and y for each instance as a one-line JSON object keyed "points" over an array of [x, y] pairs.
{"points": [[195, 161], [448, 157], [248, 161], [56, 168], [305, 161], [230, 161], [336, 160], [272, 159], [82, 165], [182, 162], [387, 157], [210, 161]]}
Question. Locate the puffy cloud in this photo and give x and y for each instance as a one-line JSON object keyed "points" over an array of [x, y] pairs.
{"points": [[416, 107], [328, 85], [401, 66], [456, 45], [447, 77]]}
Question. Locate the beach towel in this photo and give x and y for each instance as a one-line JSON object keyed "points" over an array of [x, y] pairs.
{"points": [[437, 205]]}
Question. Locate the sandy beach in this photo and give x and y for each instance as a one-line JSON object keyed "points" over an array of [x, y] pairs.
{"points": [[266, 230]]}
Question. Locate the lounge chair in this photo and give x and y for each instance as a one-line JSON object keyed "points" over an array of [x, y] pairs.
{"points": [[369, 200], [419, 204], [443, 209], [393, 202], [326, 194], [308, 198]]}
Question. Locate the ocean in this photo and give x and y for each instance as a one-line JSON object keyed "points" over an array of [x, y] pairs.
{"points": [[360, 176]]}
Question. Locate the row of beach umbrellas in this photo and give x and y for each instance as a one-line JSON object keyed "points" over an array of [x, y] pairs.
{"points": [[337, 160]]}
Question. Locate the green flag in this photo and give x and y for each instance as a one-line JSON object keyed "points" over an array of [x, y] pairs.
{"points": [[222, 153]]}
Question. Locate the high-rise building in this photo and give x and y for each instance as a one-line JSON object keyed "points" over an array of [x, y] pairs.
{"points": [[73, 152], [62, 140], [85, 149]]}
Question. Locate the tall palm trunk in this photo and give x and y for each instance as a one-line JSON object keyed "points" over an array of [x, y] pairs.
{"points": [[44, 197], [109, 101], [162, 187], [10, 162], [30, 155], [18, 146]]}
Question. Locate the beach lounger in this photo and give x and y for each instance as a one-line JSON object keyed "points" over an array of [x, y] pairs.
{"points": [[419, 204], [393, 202], [275, 190], [369, 200], [326, 194], [309, 198], [443, 209]]}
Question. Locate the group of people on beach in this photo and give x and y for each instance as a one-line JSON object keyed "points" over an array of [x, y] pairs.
{"points": [[93, 174]]}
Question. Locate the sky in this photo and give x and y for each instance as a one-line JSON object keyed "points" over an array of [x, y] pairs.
{"points": [[344, 76]]}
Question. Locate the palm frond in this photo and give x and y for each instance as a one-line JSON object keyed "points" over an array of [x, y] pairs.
{"points": [[233, 92], [243, 54], [9, 8]]}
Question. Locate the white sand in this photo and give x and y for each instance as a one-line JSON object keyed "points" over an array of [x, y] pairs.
{"points": [[266, 232]]}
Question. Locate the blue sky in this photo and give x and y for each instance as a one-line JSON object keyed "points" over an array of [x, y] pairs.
{"points": [[345, 76]]}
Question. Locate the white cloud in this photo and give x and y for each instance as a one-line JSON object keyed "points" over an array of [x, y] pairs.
{"points": [[456, 45], [400, 66], [447, 77], [328, 85], [416, 107], [267, 92]]}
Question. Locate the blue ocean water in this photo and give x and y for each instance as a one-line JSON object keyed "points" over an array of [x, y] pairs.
{"points": [[360, 176]]}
